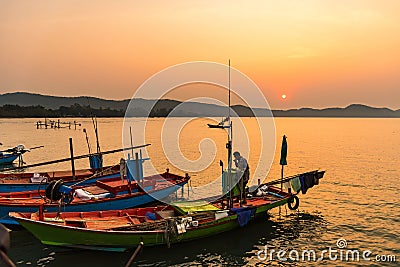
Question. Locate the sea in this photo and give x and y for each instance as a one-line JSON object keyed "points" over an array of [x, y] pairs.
{"points": [[352, 218]]}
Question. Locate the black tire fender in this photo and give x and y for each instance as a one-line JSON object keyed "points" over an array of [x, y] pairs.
{"points": [[52, 190], [293, 203]]}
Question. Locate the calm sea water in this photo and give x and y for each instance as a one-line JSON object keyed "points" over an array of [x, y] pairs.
{"points": [[356, 200]]}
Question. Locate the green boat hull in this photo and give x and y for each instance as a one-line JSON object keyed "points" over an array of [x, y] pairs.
{"points": [[56, 235]]}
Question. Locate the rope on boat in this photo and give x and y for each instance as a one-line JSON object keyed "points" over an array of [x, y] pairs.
{"points": [[144, 226], [39, 192], [167, 232], [97, 174]]}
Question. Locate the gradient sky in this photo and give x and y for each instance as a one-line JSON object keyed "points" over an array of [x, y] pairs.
{"points": [[319, 53]]}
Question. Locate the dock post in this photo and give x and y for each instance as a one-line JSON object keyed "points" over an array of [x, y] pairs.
{"points": [[71, 149]]}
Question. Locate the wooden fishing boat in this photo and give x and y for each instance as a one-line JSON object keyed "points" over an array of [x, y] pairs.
{"points": [[29, 181], [118, 230], [219, 126], [108, 194]]}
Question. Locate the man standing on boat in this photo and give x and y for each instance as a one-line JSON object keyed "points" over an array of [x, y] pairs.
{"points": [[243, 166]]}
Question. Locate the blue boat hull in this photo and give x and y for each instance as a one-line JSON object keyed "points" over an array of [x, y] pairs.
{"points": [[106, 204], [8, 159]]}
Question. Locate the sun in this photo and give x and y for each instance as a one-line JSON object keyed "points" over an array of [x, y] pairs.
{"points": [[283, 96]]}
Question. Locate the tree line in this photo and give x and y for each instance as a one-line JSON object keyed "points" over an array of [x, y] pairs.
{"points": [[76, 110]]}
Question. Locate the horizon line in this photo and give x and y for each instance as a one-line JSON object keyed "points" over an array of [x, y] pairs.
{"points": [[125, 99]]}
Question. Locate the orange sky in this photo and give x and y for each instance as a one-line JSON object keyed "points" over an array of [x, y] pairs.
{"points": [[319, 53]]}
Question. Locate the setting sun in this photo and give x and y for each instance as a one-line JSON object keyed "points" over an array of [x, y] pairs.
{"points": [[283, 96]]}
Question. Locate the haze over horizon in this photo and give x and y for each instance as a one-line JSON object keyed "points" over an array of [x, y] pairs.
{"points": [[317, 53]]}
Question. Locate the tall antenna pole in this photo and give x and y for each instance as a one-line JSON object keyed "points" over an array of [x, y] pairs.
{"points": [[97, 137], [229, 145], [130, 133], [229, 91], [94, 121]]}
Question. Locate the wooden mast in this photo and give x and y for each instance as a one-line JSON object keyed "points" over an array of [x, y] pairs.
{"points": [[229, 144]]}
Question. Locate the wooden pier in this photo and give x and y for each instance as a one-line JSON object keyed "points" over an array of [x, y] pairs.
{"points": [[56, 124]]}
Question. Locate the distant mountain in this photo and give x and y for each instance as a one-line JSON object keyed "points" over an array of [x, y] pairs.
{"points": [[354, 110], [139, 107], [54, 102], [71, 106]]}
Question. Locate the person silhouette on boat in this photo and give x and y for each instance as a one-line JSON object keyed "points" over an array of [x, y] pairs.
{"points": [[242, 165]]}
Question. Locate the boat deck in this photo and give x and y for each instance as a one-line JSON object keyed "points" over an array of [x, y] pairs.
{"points": [[128, 218], [107, 188], [102, 220], [253, 202]]}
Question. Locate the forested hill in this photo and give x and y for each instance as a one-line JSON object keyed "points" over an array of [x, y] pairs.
{"points": [[36, 105]]}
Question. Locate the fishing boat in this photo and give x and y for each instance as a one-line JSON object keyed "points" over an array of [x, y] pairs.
{"points": [[8, 156], [118, 230], [220, 125], [106, 194]]}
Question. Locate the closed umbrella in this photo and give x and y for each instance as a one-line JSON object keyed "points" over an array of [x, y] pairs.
{"points": [[283, 151], [283, 161]]}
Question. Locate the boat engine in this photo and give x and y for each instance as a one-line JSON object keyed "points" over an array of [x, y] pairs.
{"points": [[56, 190]]}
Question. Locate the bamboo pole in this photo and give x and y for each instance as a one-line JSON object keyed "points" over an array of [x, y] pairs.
{"points": [[71, 150], [77, 157]]}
